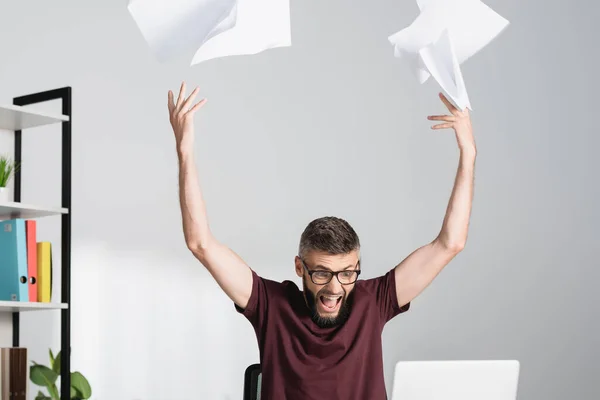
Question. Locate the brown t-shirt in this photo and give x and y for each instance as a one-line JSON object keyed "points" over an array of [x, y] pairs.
{"points": [[301, 361]]}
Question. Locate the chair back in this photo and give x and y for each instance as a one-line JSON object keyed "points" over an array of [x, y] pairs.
{"points": [[252, 382]]}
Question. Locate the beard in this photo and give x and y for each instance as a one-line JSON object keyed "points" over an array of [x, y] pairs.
{"points": [[326, 321]]}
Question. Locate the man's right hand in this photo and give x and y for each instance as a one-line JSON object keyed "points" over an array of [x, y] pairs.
{"points": [[232, 274], [181, 115]]}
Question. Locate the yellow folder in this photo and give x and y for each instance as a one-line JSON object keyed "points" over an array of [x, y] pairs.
{"points": [[44, 272]]}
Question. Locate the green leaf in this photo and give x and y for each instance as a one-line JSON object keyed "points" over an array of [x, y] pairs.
{"points": [[42, 396], [81, 385], [7, 169], [42, 375], [51, 359], [74, 394], [57, 361], [53, 392]]}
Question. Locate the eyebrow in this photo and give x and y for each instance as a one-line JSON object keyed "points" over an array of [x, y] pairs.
{"points": [[321, 267]]}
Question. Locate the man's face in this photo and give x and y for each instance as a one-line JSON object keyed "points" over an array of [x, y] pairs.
{"points": [[329, 302]]}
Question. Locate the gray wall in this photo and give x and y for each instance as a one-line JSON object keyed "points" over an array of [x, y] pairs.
{"points": [[333, 125]]}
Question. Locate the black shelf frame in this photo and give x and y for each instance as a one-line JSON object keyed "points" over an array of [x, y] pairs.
{"points": [[64, 94]]}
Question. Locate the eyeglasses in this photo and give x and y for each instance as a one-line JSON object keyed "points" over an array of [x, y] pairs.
{"points": [[321, 277]]}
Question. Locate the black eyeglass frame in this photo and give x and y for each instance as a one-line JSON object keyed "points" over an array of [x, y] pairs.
{"points": [[332, 273]]}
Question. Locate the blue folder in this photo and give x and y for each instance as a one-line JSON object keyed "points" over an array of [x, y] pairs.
{"points": [[13, 261]]}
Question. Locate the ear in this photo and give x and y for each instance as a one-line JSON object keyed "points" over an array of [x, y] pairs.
{"points": [[299, 267]]}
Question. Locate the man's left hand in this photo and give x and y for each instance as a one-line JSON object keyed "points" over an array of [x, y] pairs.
{"points": [[460, 121]]}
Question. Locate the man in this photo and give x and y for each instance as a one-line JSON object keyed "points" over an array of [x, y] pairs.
{"points": [[323, 342]]}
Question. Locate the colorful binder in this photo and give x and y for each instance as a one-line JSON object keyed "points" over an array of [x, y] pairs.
{"points": [[13, 261], [44, 271], [31, 230]]}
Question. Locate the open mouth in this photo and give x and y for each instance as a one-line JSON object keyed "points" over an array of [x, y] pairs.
{"points": [[330, 303]]}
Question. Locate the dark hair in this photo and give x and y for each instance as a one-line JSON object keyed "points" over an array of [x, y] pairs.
{"points": [[328, 234]]}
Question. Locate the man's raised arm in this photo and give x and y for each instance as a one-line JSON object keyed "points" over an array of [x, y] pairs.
{"points": [[423, 265], [232, 274]]}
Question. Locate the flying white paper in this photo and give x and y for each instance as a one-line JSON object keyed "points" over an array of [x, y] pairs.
{"points": [[444, 35], [208, 29]]}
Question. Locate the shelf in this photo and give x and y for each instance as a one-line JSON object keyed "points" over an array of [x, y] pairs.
{"points": [[17, 118], [18, 306], [27, 211]]}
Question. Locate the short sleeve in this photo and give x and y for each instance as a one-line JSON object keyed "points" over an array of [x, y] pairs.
{"points": [[256, 309], [383, 291]]}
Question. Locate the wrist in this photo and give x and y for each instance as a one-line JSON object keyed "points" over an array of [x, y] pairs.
{"points": [[184, 152], [468, 149]]}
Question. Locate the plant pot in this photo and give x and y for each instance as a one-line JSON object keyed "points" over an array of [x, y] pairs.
{"points": [[5, 195]]}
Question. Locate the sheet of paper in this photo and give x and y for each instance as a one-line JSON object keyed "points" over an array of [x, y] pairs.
{"points": [[440, 61], [207, 29], [260, 25], [444, 35]]}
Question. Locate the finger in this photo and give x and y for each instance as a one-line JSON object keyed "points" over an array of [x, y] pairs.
{"points": [[449, 118], [442, 126], [197, 106], [451, 107], [189, 100], [171, 105], [181, 95]]}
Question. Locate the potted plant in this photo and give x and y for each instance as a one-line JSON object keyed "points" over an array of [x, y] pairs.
{"points": [[46, 377], [7, 170]]}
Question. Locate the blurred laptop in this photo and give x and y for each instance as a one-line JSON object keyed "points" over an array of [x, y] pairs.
{"points": [[456, 380]]}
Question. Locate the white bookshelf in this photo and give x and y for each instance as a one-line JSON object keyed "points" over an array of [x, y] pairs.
{"points": [[13, 210], [21, 118], [20, 306], [14, 118]]}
